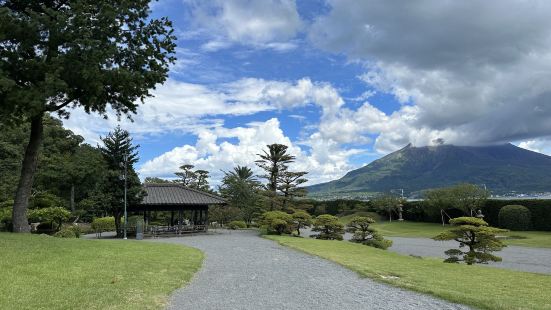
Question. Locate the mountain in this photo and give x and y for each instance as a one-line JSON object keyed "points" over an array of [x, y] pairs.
{"points": [[502, 168]]}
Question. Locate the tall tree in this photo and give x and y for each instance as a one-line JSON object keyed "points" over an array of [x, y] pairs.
{"points": [[186, 175], [274, 161], [201, 180], [290, 182], [465, 197], [388, 203], [240, 188], [58, 54], [120, 155]]}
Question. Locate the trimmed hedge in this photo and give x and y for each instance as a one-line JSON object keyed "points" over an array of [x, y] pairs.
{"points": [[514, 217], [540, 210], [234, 225]]}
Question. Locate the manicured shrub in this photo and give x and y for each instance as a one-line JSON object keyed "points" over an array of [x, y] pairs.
{"points": [[476, 237], [102, 224], [234, 225], [50, 216], [277, 222], [515, 217], [359, 226], [68, 232], [301, 219], [329, 227]]}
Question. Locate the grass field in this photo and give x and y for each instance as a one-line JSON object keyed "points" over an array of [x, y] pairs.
{"points": [[482, 287], [541, 239], [38, 272]]}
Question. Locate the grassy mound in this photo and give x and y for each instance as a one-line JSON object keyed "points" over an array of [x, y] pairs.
{"points": [[479, 286], [41, 272]]}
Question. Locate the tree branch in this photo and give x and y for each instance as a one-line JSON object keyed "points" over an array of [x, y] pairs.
{"points": [[54, 108]]}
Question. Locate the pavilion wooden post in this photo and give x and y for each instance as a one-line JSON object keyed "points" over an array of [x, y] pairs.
{"points": [[207, 219], [171, 218], [180, 219]]}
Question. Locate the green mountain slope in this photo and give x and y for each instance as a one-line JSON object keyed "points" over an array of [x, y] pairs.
{"points": [[502, 168]]}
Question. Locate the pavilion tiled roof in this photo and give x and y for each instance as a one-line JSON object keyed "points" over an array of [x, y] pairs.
{"points": [[176, 194]]}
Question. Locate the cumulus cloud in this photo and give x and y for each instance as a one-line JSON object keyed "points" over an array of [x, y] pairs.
{"points": [[184, 107], [471, 73], [262, 24], [213, 152]]}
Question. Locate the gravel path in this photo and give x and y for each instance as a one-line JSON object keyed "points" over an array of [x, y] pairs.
{"points": [[514, 257], [245, 271]]}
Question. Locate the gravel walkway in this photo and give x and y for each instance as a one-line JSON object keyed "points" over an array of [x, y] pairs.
{"points": [[245, 271], [514, 257]]}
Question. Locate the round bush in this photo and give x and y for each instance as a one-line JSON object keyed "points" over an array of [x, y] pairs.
{"points": [[102, 224], [514, 217], [68, 232], [237, 225]]}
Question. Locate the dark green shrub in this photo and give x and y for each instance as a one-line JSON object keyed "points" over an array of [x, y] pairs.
{"points": [[514, 217], [45, 200], [277, 222], [234, 225], [477, 240], [364, 234], [329, 227], [5, 218], [68, 232], [102, 224], [52, 216]]}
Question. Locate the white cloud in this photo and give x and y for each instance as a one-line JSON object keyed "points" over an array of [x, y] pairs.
{"points": [[541, 145], [214, 153], [462, 72], [262, 24]]}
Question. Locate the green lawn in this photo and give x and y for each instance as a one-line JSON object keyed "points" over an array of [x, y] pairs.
{"points": [[38, 272], [541, 239], [479, 286]]}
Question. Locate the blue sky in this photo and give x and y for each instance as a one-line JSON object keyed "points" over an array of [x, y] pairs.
{"points": [[340, 82]]}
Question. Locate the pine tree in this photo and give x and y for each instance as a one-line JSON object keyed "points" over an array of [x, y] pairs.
{"points": [[118, 151], [475, 235]]}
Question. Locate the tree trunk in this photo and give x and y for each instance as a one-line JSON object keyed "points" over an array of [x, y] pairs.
{"points": [[30, 160], [118, 226], [73, 198]]}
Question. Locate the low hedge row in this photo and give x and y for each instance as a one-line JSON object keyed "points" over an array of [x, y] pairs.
{"points": [[540, 210]]}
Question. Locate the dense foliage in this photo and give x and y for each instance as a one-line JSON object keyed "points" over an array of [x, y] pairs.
{"points": [[514, 217], [102, 224], [477, 236], [362, 233], [301, 219], [328, 227], [234, 225], [540, 210], [277, 222], [242, 191], [388, 204], [465, 197], [57, 55], [282, 184], [51, 215]]}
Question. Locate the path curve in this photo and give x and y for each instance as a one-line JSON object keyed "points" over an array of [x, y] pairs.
{"points": [[245, 271]]}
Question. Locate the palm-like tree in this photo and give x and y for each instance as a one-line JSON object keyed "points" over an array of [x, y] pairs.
{"points": [[274, 161]]}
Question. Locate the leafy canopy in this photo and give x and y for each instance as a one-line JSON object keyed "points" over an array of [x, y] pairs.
{"points": [[329, 227], [364, 234], [57, 54], [475, 235]]}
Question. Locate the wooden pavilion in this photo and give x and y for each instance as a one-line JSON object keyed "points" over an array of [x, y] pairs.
{"points": [[179, 201]]}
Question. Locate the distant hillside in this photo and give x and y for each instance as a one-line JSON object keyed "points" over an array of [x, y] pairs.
{"points": [[502, 168]]}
